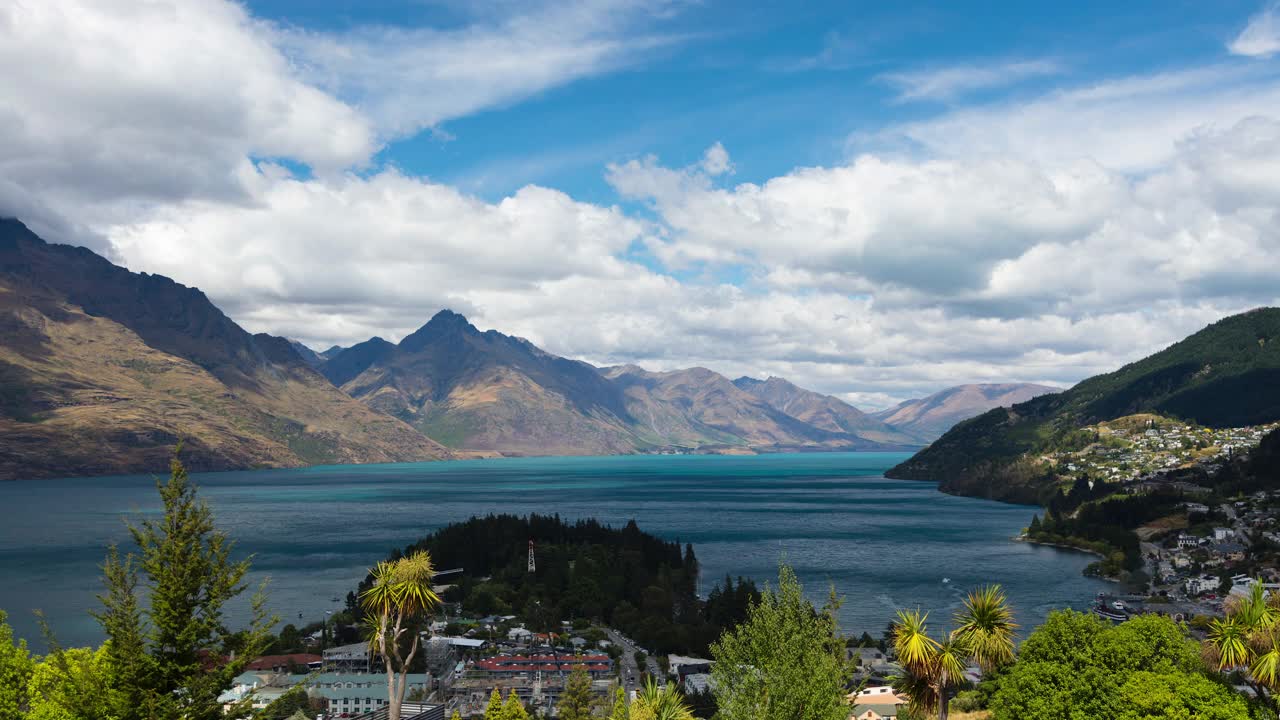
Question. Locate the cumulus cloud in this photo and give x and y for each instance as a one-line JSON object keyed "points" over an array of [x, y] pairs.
{"points": [[949, 83], [1261, 37], [136, 104], [1040, 240]]}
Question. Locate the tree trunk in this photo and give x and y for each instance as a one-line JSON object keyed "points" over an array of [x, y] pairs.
{"points": [[942, 703]]}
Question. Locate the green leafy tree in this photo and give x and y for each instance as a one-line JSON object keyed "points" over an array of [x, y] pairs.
{"points": [[287, 706], [168, 658], [16, 667], [397, 606], [932, 669], [1076, 665], [72, 685], [456, 715], [785, 661], [576, 703]]}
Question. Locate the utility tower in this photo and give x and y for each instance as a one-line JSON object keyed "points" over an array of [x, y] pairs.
{"points": [[532, 566]]}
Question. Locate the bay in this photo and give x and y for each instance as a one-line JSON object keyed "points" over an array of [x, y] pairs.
{"points": [[882, 543]]}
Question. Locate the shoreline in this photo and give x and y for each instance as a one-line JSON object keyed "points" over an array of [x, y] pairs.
{"points": [[1063, 546]]}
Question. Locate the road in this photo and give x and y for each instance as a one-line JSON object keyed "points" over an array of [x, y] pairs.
{"points": [[629, 672]]}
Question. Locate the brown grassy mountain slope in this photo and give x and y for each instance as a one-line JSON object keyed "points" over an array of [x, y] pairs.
{"points": [[103, 370], [930, 417], [489, 391], [697, 407], [486, 391], [822, 411]]}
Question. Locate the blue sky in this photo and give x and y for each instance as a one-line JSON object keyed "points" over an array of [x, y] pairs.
{"points": [[874, 200], [779, 86]]}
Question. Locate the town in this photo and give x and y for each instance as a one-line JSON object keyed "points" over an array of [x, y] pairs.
{"points": [[499, 654]]}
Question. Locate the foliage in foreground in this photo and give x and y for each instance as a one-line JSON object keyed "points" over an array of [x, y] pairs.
{"points": [[984, 633], [785, 661], [1079, 666]]}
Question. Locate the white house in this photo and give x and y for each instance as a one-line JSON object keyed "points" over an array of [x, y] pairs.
{"points": [[1202, 584]]}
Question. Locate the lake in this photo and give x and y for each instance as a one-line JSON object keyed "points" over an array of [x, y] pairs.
{"points": [[833, 516]]}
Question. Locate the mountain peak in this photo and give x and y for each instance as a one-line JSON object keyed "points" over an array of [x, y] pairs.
{"points": [[442, 324]]}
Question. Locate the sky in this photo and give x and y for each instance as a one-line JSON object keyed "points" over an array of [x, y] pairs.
{"points": [[874, 200]]}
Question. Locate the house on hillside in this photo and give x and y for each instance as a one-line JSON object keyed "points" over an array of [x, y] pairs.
{"points": [[875, 711]]}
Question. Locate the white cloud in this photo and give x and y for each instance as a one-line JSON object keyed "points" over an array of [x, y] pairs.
{"points": [[1261, 37], [142, 103], [1039, 240], [407, 80], [1130, 124], [949, 83], [715, 161]]}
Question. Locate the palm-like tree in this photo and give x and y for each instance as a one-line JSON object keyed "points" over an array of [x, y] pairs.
{"points": [[395, 606], [1249, 638], [655, 703], [986, 624], [931, 669]]}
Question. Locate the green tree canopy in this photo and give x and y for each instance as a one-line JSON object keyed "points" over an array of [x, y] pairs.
{"points": [[1078, 666], [785, 661], [72, 685], [576, 702], [15, 670], [170, 659]]}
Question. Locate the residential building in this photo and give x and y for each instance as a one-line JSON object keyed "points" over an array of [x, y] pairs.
{"points": [[348, 658], [1202, 584]]}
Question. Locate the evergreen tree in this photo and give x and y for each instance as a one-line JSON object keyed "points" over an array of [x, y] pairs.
{"points": [[494, 709], [168, 660], [15, 670], [785, 662], [513, 709], [576, 701], [1034, 527]]}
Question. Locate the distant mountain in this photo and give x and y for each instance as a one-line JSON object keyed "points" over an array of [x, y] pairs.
{"points": [[103, 370], [486, 391], [493, 392], [824, 411], [1226, 375], [313, 358], [929, 417]]}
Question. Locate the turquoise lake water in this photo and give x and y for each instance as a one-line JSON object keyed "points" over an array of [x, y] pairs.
{"points": [[833, 516]]}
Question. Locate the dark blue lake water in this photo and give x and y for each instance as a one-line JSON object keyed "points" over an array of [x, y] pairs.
{"points": [[834, 517]]}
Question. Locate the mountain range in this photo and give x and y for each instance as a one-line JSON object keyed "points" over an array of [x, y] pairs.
{"points": [[930, 417], [103, 370], [1226, 375]]}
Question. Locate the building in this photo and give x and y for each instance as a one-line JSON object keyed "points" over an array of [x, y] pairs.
{"points": [[1223, 533], [1202, 584], [875, 711], [411, 711], [348, 658], [1186, 541], [680, 665], [597, 665], [1229, 551], [351, 694], [286, 663]]}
